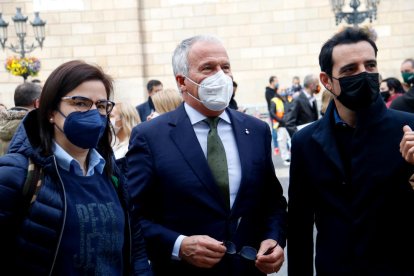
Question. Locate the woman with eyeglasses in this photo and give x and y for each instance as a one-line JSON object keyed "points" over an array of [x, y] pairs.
{"points": [[77, 222]]}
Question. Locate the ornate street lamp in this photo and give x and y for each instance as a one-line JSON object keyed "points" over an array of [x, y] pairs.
{"points": [[20, 27], [355, 17]]}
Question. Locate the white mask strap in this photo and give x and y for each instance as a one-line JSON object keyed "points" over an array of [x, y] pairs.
{"points": [[202, 85], [191, 80], [193, 97]]}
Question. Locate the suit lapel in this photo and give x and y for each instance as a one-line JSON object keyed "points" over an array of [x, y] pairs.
{"points": [[243, 145], [325, 137], [186, 141]]}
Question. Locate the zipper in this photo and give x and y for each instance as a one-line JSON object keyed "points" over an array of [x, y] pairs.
{"points": [[64, 217]]}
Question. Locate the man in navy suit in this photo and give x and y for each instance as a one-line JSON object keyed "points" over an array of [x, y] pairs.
{"points": [[347, 175], [146, 108], [190, 227], [303, 109]]}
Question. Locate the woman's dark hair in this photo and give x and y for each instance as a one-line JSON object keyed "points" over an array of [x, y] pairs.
{"points": [[394, 84], [61, 81], [348, 36]]}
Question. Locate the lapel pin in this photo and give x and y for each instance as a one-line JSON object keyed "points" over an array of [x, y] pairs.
{"points": [[247, 131]]}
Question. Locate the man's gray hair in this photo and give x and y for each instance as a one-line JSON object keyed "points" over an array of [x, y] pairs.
{"points": [[309, 79], [180, 56], [409, 60], [26, 93]]}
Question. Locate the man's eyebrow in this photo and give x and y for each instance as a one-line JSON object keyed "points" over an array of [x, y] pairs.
{"points": [[371, 61], [348, 66], [207, 63]]}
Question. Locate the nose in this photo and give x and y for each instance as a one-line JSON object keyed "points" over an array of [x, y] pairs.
{"points": [[218, 68], [94, 106], [361, 68]]}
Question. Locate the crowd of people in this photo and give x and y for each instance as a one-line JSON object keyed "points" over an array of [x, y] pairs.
{"points": [[184, 183], [294, 107]]}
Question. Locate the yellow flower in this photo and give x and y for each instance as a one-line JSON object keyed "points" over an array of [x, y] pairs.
{"points": [[23, 66]]}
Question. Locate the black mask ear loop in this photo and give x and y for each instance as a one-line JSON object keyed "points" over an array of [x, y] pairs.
{"points": [[332, 77], [61, 130]]}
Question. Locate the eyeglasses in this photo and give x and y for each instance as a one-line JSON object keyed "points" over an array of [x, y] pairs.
{"points": [[246, 252], [84, 104]]}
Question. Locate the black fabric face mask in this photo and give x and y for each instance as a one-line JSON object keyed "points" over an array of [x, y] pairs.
{"points": [[385, 95], [359, 91]]}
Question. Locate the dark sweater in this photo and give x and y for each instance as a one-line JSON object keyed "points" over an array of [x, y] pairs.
{"points": [[93, 237]]}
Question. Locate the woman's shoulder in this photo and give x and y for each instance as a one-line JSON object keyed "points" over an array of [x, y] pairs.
{"points": [[14, 160], [13, 171]]}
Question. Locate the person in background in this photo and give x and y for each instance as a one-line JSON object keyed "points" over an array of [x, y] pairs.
{"points": [[233, 104], [26, 98], [406, 101], [303, 109], [270, 93], [78, 220], [405, 86], [165, 101], [202, 177], [123, 118], [277, 113], [340, 184], [390, 89], [38, 82], [146, 108], [294, 91]]}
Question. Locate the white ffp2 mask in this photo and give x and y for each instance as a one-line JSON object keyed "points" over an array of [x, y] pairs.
{"points": [[214, 91]]}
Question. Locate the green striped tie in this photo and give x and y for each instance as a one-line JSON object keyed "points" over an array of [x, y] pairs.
{"points": [[216, 158]]}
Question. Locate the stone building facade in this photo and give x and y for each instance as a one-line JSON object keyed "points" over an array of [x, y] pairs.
{"points": [[133, 40]]}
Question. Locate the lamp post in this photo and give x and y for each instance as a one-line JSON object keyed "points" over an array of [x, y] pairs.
{"points": [[355, 17], [20, 26]]}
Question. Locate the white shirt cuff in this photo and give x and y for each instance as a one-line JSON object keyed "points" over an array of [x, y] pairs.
{"points": [[176, 250]]}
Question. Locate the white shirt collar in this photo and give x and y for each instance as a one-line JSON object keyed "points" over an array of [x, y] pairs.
{"points": [[66, 161], [196, 117]]}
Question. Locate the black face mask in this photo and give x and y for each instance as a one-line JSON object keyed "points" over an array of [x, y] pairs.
{"points": [[385, 95], [359, 91]]}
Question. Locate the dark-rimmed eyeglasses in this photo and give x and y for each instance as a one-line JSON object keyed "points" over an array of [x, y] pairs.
{"points": [[247, 252], [84, 104]]}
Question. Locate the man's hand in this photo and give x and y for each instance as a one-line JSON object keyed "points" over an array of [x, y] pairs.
{"points": [[407, 145], [269, 260], [202, 251]]}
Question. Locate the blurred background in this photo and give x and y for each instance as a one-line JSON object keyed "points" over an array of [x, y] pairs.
{"points": [[133, 40]]}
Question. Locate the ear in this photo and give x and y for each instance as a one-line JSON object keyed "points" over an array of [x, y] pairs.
{"points": [[36, 103], [180, 81], [51, 116], [325, 80]]}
